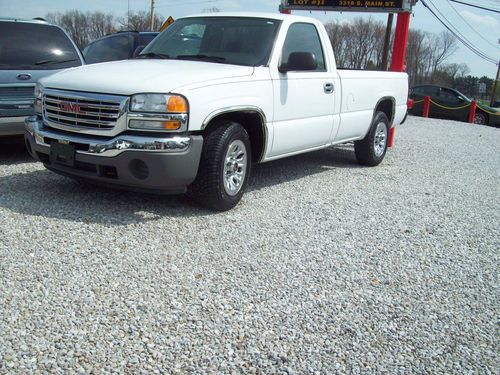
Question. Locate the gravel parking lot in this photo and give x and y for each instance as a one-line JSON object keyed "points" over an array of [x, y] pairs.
{"points": [[325, 267]]}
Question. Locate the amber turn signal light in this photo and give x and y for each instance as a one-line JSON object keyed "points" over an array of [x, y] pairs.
{"points": [[177, 104], [171, 125]]}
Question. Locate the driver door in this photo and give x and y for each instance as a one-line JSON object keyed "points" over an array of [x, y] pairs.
{"points": [[303, 100]]}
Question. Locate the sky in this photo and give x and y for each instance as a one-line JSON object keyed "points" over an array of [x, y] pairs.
{"points": [[480, 27]]}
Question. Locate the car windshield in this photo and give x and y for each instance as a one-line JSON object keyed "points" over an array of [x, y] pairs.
{"points": [[35, 46], [227, 40]]}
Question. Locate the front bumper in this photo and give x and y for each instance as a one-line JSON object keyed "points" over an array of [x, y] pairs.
{"points": [[142, 163], [12, 125]]}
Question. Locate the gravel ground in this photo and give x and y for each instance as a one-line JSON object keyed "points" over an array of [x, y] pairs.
{"points": [[325, 267]]}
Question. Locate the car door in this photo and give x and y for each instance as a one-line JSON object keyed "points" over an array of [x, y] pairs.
{"points": [[452, 99], [303, 100], [417, 93]]}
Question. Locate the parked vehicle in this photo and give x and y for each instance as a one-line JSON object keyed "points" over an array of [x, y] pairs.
{"points": [[208, 97], [451, 104], [29, 50], [118, 46]]}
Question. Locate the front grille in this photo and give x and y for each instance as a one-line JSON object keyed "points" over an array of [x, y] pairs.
{"points": [[17, 92], [80, 112]]}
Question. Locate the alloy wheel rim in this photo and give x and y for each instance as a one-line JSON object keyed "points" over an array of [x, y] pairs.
{"points": [[380, 139], [235, 167], [479, 119]]}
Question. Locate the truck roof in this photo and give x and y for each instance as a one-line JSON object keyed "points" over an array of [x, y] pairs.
{"points": [[33, 20], [275, 16]]}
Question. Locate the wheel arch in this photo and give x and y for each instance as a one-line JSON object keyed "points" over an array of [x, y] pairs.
{"points": [[386, 104], [252, 118]]}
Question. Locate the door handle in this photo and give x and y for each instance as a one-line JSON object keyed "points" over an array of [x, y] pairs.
{"points": [[328, 87]]}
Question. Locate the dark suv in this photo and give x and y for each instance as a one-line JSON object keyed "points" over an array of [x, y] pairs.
{"points": [[119, 46], [29, 50]]}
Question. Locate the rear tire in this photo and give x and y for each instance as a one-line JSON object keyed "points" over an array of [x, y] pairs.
{"points": [[481, 118], [371, 150], [224, 168]]}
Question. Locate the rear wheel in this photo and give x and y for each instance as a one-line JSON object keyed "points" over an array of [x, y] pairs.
{"points": [[371, 150], [480, 118], [224, 167]]}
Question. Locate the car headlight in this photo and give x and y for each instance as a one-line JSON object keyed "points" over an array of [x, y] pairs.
{"points": [[38, 90], [160, 103], [38, 98]]}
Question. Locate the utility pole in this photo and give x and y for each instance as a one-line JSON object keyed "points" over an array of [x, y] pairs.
{"points": [[152, 21], [387, 41], [494, 90]]}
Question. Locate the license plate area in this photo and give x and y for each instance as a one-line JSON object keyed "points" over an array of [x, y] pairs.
{"points": [[62, 153]]}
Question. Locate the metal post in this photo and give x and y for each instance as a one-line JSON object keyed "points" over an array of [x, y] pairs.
{"points": [[494, 90], [399, 54], [400, 40], [472, 111], [427, 106], [387, 41], [152, 21]]}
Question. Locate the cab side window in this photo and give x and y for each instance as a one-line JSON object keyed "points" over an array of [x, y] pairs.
{"points": [[449, 96], [303, 37]]}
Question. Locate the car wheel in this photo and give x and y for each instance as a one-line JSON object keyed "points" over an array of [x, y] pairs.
{"points": [[480, 118], [371, 150], [224, 168]]}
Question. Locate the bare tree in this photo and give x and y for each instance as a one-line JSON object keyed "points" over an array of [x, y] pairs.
{"points": [[83, 27], [211, 10], [140, 21], [357, 45]]}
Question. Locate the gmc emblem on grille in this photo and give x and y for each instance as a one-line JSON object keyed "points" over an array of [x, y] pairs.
{"points": [[70, 107]]}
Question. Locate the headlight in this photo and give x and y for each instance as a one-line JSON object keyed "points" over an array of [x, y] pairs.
{"points": [[38, 90], [161, 103], [38, 99]]}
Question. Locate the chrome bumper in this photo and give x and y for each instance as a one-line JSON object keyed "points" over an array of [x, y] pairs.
{"points": [[158, 165], [12, 125], [106, 148]]}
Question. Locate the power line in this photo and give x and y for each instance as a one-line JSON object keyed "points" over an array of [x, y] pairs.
{"points": [[476, 6], [457, 34], [472, 28]]}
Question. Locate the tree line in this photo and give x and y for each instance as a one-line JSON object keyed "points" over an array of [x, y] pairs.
{"points": [[84, 27], [358, 44]]}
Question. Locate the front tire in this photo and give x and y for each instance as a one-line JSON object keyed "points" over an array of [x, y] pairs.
{"points": [[371, 150], [224, 168]]}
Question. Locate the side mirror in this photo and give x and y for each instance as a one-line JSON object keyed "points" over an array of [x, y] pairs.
{"points": [[137, 51], [299, 61]]}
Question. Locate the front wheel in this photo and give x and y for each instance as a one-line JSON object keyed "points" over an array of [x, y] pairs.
{"points": [[224, 167], [371, 150]]}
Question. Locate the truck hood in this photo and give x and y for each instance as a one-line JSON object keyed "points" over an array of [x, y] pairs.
{"points": [[129, 77]]}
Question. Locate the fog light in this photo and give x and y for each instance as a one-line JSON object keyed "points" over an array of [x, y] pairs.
{"points": [[154, 125], [139, 169]]}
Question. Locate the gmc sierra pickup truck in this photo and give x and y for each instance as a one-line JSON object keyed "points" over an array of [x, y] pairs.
{"points": [[211, 95]]}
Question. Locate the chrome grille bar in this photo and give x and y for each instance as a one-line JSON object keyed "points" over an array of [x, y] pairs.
{"points": [[77, 111]]}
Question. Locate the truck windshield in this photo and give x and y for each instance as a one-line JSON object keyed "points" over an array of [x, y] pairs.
{"points": [[227, 40], [35, 46]]}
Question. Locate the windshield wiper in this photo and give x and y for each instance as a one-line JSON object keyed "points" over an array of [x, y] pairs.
{"points": [[153, 55], [43, 62], [202, 57]]}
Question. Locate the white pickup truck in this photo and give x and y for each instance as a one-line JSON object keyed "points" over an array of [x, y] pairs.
{"points": [[211, 95]]}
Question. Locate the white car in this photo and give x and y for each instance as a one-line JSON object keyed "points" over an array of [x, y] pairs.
{"points": [[211, 95]]}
